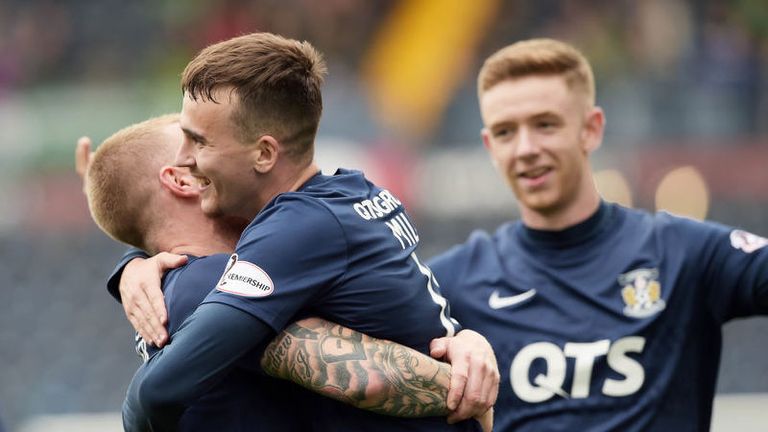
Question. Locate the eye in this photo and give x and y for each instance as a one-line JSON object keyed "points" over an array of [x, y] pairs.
{"points": [[196, 141], [503, 132], [546, 124]]}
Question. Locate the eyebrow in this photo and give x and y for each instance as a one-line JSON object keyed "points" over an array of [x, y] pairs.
{"points": [[546, 114], [194, 135]]}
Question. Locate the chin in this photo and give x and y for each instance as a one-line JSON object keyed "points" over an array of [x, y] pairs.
{"points": [[544, 203]]}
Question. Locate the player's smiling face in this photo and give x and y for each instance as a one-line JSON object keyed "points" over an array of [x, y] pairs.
{"points": [[539, 134], [216, 157]]}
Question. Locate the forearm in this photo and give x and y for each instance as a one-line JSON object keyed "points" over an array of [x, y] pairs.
{"points": [[368, 373], [200, 354]]}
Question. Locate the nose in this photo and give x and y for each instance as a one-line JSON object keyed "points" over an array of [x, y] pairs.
{"points": [[184, 157], [526, 144]]}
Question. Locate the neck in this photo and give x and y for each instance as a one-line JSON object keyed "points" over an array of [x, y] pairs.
{"points": [[583, 206], [287, 178], [200, 236], [302, 176]]}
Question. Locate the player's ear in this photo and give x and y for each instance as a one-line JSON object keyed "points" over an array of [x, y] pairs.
{"points": [[179, 181], [485, 134], [594, 126], [265, 154]]}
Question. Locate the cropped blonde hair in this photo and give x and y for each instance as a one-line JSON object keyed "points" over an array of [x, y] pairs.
{"points": [[538, 57], [121, 178]]}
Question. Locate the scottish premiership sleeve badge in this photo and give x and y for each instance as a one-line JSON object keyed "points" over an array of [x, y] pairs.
{"points": [[746, 241], [245, 279]]}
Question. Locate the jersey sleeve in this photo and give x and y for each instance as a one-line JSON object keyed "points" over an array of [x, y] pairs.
{"points": [[735, 271], [201, 353], [446, 268], [113, 283], [285, 261]]}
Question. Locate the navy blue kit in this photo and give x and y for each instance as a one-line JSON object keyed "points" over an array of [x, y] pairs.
{"points": [[610, 325], [339, 248], [244, 398]]}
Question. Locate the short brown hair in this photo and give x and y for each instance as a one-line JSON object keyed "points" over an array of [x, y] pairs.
{"points": [[538, 57], [277, 81], [120, 182]]}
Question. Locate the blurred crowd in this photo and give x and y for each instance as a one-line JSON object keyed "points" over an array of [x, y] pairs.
{"points": [[664, 67]]}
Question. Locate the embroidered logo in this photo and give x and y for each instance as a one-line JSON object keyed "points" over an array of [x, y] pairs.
{"points": [[747, 241], [641, 293], [245, 279], [496, 301]]}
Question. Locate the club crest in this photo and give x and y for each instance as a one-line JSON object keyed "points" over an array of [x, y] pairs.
{"points": [[641, 293]]}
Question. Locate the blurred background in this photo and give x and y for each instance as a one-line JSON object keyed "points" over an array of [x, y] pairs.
{"points": [[684, 84]]}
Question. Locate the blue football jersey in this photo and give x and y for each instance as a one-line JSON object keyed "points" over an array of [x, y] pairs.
{"points": [[611, 325], [243, 401], [342, 249]]}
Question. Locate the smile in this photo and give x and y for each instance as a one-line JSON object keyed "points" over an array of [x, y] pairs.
{"points": [[534, 173]]}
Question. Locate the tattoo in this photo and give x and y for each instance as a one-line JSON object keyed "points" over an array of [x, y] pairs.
{"points": [[368, 373]]}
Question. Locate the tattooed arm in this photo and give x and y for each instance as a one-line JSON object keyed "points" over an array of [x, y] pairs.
{"points": [[368, 373]]}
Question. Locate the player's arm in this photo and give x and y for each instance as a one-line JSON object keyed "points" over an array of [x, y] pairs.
{"points": [[365, 372], [202, 352], [736, 273], [368, 373]]}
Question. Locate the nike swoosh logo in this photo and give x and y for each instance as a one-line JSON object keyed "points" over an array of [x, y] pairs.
{"points": [[495, 301]]}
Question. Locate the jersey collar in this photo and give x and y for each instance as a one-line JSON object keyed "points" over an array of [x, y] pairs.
{"points": [[571, 236]]}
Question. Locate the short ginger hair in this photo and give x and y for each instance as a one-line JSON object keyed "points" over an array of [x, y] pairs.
{"points": [[277, 81], [538, 57], [122, 179]]}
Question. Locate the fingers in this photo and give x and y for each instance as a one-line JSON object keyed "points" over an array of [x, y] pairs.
{"points": [[475, 378], [166, 261], [459, 378], [467, 405], [481, 388], [438, 347], [491, 386], [142, 296], [486, 420], [142, 317]]}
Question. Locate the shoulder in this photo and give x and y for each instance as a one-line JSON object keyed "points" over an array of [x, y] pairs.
{"points": [[663, 222], [195, 278], [291, 212], [480, 249], [478, 242], [675, 232], [187, 286], [689, 228], [198, 268]]}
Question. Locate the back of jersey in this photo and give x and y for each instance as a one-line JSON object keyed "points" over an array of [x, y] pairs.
{"points": [[245, 400], [342, 249]]}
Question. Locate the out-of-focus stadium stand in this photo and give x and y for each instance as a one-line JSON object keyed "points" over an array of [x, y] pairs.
{"points": [[684, 84]]}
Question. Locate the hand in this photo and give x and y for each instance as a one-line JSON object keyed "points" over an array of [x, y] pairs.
{"points": [[83, 156], [475, 376], [143, 298], [486, 420]]}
